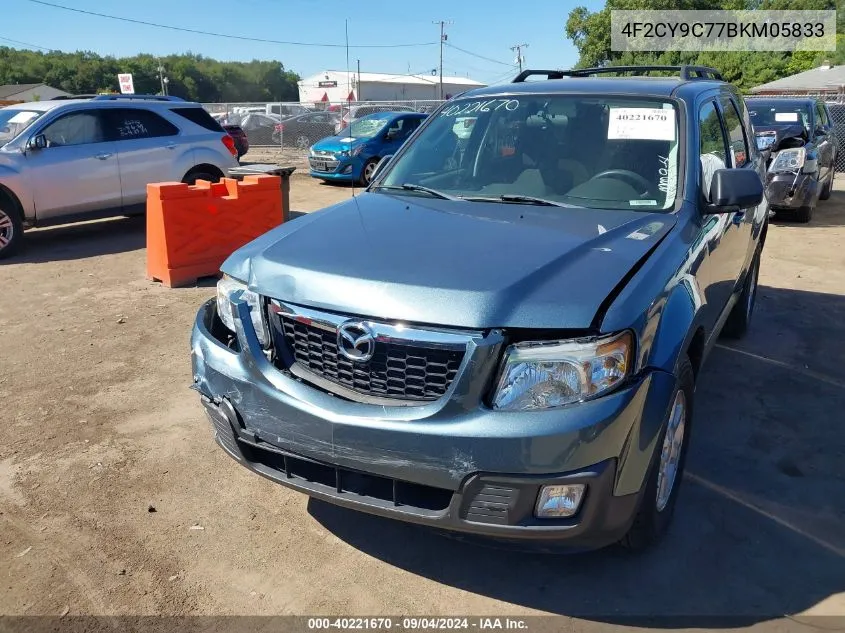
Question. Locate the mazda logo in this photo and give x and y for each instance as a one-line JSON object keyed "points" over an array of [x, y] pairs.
{"points": [[355, 341]]}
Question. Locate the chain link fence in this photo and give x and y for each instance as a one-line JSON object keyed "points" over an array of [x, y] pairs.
{"points": [[284, 132]]}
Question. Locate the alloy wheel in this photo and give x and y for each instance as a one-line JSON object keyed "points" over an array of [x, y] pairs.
{"points": [[670, 455], [7, 229]]}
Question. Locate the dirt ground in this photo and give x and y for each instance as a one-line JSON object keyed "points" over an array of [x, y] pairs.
{"points": [[98, 428]]}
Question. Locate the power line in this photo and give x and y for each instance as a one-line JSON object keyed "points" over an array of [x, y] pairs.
{"points": [[495, 61], [43, 48], [225, 35]]}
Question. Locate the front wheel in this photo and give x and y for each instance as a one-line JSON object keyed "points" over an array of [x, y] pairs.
{"points": [[367, 172], [11, 230], [658, 504]]}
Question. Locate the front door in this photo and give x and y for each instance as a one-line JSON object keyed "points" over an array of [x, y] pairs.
{"points": [[77, 172], [146, 145], [724, 253]]}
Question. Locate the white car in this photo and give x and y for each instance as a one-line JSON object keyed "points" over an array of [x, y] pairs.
{"points": [[71, 159]]}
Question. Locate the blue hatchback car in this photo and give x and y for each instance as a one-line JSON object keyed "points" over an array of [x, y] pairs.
{"points": [[353, 154]]}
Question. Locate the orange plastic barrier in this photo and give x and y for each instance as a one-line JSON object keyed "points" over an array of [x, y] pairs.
{"points": [[191, 230]]}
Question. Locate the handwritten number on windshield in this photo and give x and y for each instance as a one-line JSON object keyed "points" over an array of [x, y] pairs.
{"points": [[462, 109]]}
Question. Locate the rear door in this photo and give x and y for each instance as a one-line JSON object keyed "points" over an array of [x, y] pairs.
{"points": [[146, 144], [823, 134], [77, 172]]}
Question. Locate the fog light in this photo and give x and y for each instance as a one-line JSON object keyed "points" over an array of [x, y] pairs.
{"points": [[347, 169], [559, 501]]}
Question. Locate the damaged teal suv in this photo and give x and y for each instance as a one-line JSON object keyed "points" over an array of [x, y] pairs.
{"points": [[502, 335]]}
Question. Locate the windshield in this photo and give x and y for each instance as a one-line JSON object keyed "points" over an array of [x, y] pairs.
{"points": [[366, 127], [13, 122], [774, 113], [579, 150]]}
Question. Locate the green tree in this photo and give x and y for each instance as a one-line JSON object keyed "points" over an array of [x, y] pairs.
{"points": [[191, 76], [590, 32]]}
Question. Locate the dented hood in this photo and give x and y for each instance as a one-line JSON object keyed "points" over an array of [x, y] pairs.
{"points": [[462, 264]]}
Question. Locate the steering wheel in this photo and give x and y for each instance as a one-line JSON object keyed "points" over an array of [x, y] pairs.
{"points": [[630, 177]]}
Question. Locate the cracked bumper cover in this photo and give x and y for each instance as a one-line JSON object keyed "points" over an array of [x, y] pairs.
{"points": [[786, 192], [487, 465]]}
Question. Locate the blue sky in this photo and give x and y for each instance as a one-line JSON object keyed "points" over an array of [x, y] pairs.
{"points": [[486, 28]]}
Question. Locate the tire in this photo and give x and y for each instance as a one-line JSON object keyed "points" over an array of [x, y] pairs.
{"points": [[824, 194], [367, 172], [740, 317], [11, 229], [804, 214], [657, 507], [192, 176]]}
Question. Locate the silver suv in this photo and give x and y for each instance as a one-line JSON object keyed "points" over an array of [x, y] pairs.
{"points": [[71, 159]]}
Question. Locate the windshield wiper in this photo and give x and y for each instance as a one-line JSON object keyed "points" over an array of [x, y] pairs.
{"points": [[420, 188], [514, 198]]}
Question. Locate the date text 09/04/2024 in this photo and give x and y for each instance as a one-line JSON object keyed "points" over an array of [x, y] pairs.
{"points": [[417, 623]]}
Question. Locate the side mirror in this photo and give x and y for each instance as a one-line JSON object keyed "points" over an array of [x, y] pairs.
{"points": [[381, 165], [39, 141], [734, 188], [820, 131]]}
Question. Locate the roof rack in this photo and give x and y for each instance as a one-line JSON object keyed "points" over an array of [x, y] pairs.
{"points": [[686, 72], [138, 97]]}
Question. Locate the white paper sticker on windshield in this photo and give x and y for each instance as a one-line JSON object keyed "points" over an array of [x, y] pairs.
{"points": [[786, 117], [652, 124], [23, 117], [643, 203]]}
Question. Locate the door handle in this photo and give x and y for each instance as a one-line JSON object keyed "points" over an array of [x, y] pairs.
{"points": [[102, 156], [171, 146]]}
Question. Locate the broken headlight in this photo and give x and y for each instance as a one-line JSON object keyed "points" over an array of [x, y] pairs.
{"points": [[789, 160], [226, 288], [545, 375]]}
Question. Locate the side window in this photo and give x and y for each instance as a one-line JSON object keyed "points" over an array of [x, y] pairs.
{"points": [[736, 133], [77, 128], [410, 126], [128, 124], [712, 146]]}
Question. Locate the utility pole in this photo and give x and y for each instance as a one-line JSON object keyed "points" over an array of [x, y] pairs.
{"points": [[358, 83], [519, 58], [443, 38]]}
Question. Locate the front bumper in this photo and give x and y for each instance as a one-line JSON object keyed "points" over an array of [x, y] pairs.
{"points": [[347, 168], [788, 191], [454, 465]]}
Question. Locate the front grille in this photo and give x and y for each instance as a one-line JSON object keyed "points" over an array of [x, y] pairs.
{"points": [[396, 370]]}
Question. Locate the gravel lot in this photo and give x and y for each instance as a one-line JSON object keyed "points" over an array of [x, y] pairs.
{"points": [[98, 428]]}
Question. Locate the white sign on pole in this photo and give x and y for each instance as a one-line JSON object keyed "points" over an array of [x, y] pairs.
{"points": [[127, 87]]}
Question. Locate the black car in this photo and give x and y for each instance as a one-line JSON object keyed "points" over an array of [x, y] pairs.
{"points": [[798, 138], [304, 130]]}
